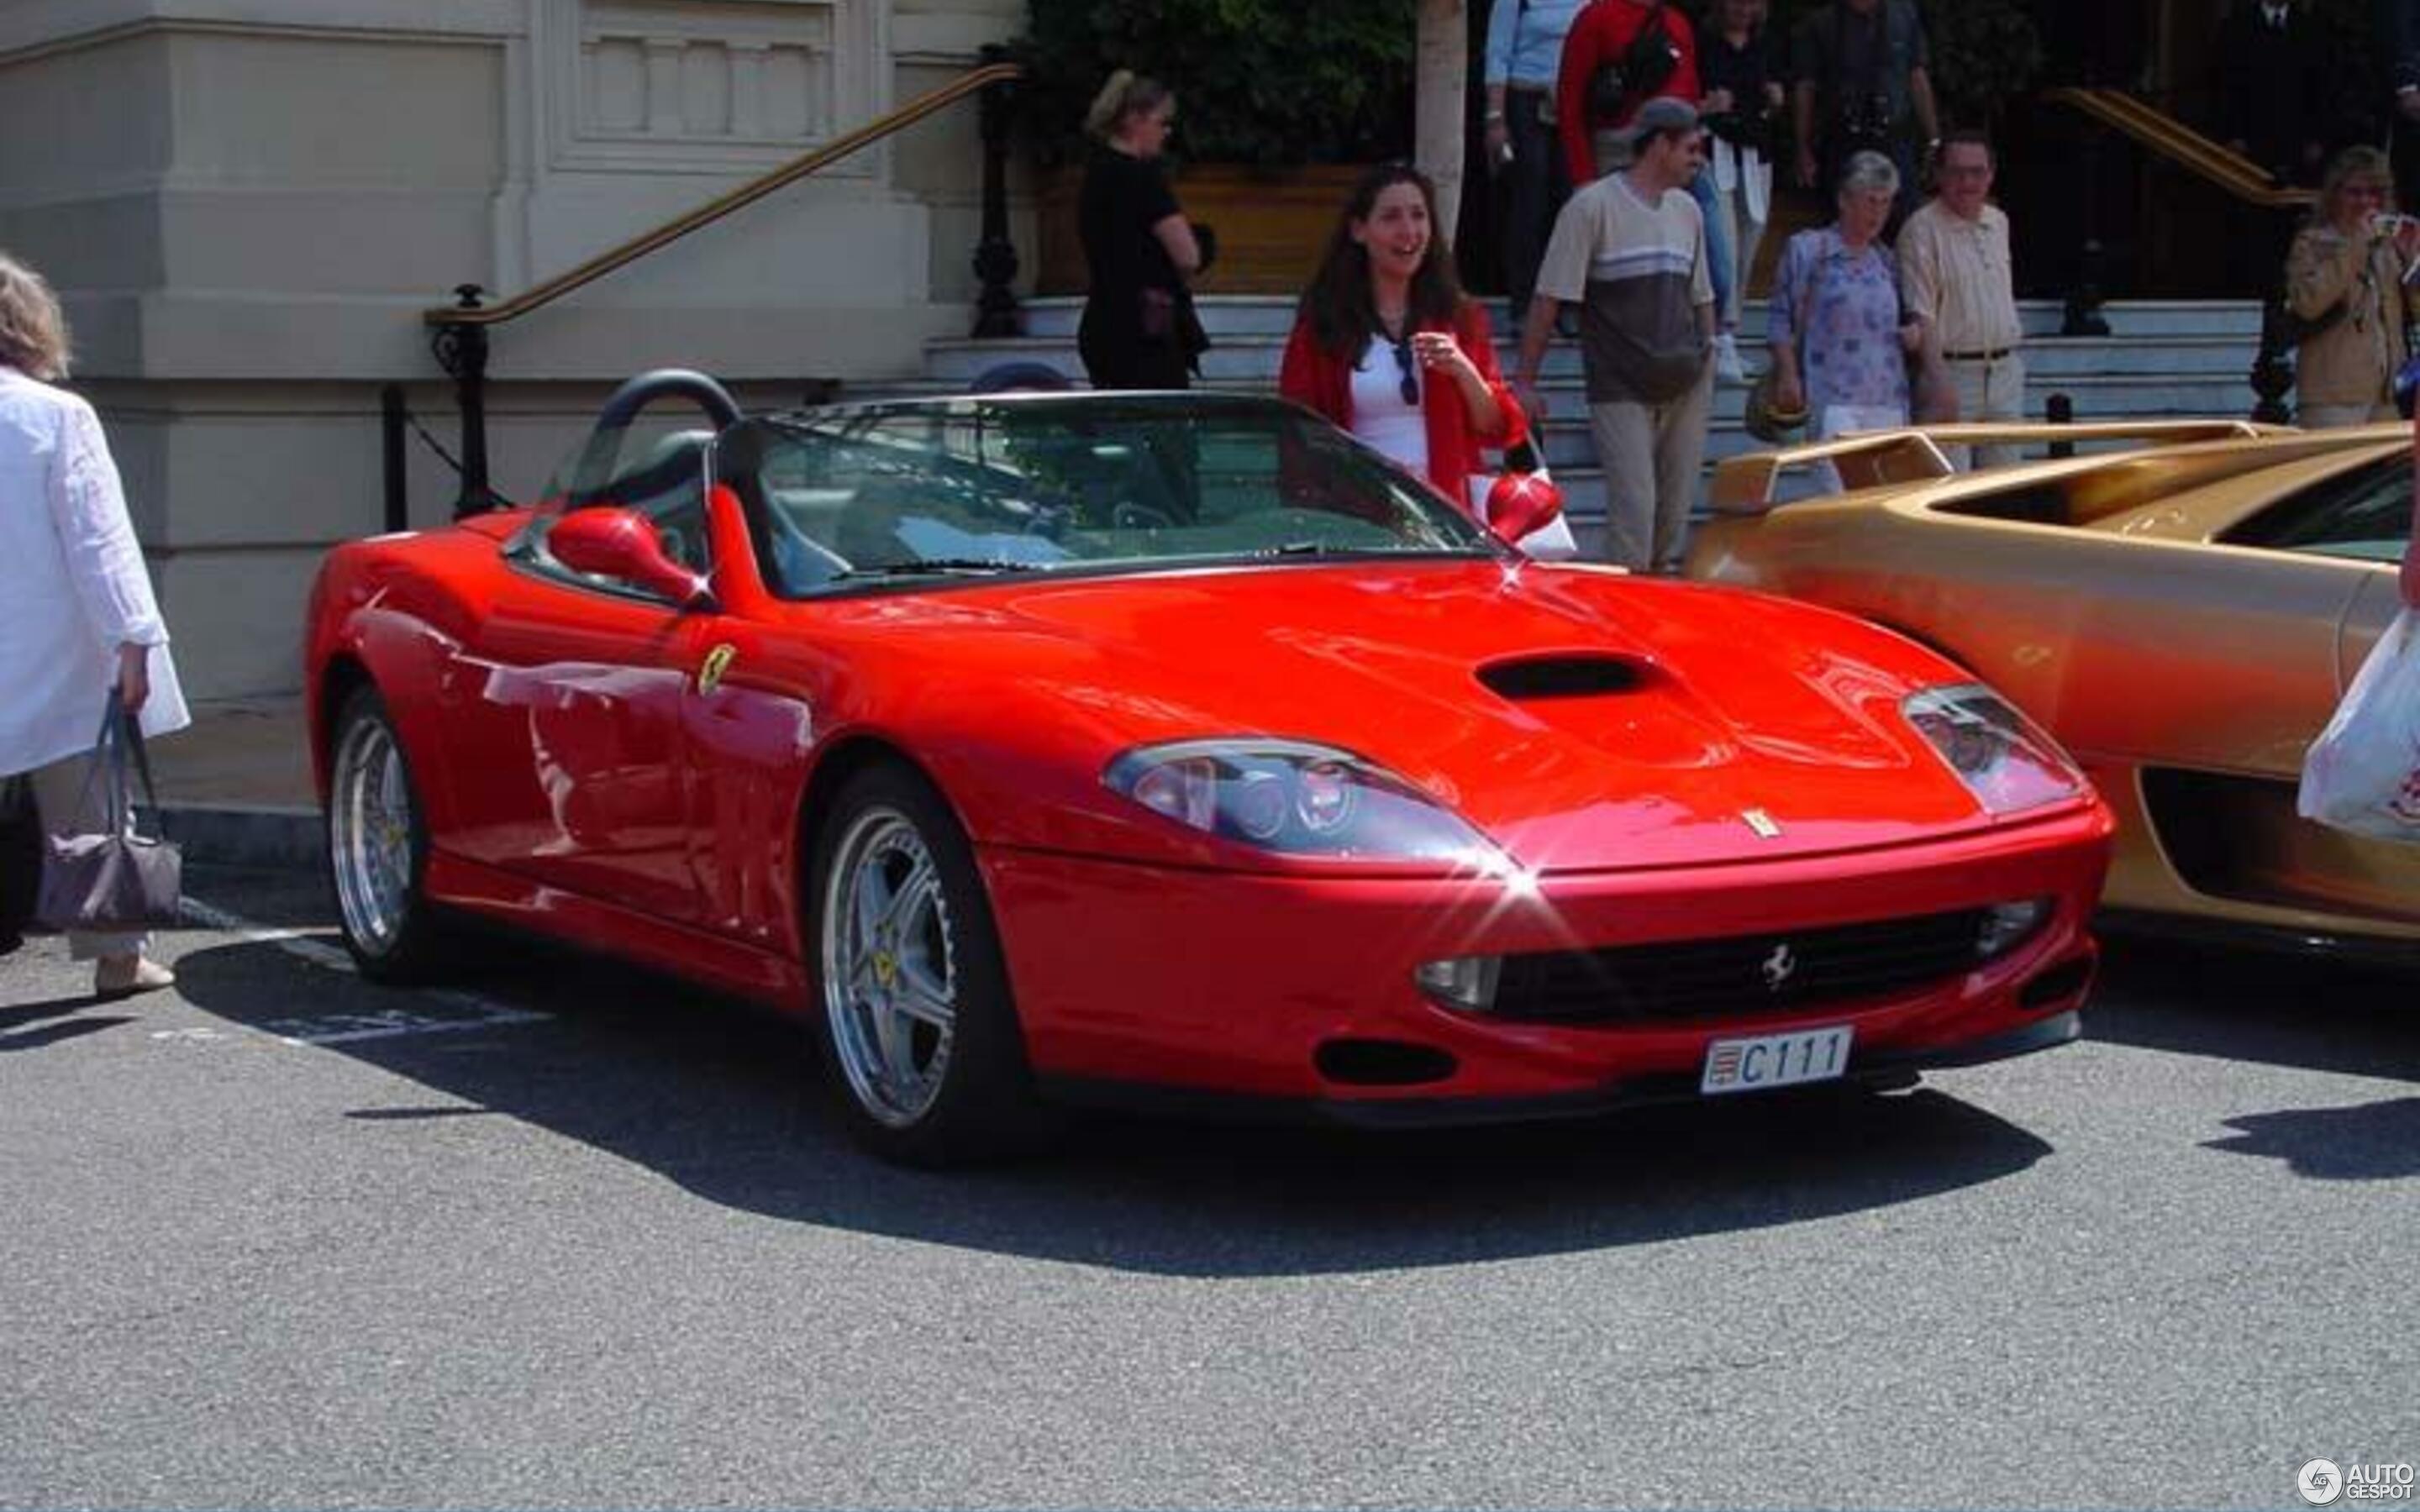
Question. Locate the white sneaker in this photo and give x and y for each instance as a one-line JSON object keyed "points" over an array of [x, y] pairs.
{"points": [[1728, 367]]}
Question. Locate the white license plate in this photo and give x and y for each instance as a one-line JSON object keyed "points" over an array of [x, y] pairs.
{"points": [[1775, 1060]]}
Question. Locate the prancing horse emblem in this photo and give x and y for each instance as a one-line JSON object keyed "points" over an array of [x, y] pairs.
{"points": [[1780, 967], [709, 674], [1766, 826]]}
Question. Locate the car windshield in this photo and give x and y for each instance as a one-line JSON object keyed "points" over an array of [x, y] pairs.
{"points": [[2363, 514], [1070, 483]]}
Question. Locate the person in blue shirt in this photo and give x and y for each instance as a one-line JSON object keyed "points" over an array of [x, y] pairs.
{"points": [[1525, 49]]}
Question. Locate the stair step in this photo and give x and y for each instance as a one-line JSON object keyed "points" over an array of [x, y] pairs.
{"points": [[1055, 317], [2167, 359], [1233, 359]]}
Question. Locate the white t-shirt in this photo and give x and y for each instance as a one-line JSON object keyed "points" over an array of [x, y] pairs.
{"points": [[1380, 416]]}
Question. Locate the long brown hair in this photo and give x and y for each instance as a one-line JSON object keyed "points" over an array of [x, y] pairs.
{"points": [[1343, 316]]}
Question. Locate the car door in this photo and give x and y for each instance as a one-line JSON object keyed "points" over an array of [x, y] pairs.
{"points": [[570, 726]]}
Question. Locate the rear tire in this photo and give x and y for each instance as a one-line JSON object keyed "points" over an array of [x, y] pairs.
{"points": [[912, 1007], [378, 849]]}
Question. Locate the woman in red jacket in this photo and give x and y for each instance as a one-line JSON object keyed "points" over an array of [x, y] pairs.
{"points": [[1386, 346]]}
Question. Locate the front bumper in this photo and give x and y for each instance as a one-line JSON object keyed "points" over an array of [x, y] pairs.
{"points": [[1880, 1072], [1186, 981]]}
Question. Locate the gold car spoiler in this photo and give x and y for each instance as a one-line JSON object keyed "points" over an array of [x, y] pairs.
{"points": [[1871, 459]]}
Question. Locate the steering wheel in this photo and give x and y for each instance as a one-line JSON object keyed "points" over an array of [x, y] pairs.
{"points": [[1125, 515]]}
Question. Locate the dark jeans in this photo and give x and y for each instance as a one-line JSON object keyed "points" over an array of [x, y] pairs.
{"points": [[1536, 185]]}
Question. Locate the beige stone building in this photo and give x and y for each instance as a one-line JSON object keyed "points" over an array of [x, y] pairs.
{"points": [[248, 203]]}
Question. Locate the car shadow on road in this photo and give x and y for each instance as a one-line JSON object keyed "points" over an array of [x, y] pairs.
{"points": [[2248, 1005], [730, 1104], [2368, 1142]]}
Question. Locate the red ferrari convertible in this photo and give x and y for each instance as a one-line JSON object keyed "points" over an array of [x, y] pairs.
{"points": [[1060, 747]]}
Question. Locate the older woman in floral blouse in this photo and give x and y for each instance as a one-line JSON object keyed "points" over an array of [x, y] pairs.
{"points": [[1838, 346]]}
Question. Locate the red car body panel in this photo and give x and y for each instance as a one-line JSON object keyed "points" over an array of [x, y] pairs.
{"points": [[579, 777]]}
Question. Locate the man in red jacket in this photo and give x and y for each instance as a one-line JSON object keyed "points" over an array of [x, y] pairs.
{"points": [[1601, 37]]}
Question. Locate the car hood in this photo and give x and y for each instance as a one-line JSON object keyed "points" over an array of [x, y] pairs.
{"points": [[1582, 719]]}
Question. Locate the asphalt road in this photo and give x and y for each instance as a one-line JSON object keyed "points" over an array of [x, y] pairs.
{"points": [[572, 1237]]}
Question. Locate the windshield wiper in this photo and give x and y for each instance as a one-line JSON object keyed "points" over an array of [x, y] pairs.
{"points": [[940, 567], [1330, 548]]}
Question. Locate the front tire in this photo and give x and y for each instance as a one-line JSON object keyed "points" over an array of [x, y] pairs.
{"points": [[914, 1015], [377, 848]]}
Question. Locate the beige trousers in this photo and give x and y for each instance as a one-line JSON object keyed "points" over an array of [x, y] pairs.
{"points": [[1650, 454], [58, 788], [2334, 416], [1987, 391]]}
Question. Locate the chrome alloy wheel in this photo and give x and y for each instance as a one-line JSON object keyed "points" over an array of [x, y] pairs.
{"points": [[889, 967], [369, 839]]}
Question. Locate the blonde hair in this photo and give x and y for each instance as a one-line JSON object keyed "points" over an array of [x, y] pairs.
{"points": [[1126, 94], [2360, 161], [33, 332]]}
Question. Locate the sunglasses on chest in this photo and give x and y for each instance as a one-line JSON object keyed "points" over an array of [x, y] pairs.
{"points": [[1407, 369]]}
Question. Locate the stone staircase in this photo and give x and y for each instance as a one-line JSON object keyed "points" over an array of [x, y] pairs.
{"points": [[2164, 359]]}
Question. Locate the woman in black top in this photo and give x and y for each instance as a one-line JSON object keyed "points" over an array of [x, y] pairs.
{"points": [[1737, 68], [1139, 329]]}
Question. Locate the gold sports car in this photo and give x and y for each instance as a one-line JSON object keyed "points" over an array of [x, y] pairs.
{"points": [[2183, 616]]}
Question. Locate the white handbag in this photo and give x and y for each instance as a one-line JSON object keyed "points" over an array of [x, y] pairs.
{"points": [[2362, 774]]}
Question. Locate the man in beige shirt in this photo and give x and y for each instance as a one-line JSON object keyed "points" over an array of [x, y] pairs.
{"points": [[1956, 274]]}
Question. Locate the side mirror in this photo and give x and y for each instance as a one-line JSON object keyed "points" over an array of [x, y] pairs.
{"points": [[610, 542], [1519, 503]]}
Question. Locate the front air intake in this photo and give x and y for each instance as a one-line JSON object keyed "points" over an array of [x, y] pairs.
{"points": [[1382, 1063], [1561, 677]]}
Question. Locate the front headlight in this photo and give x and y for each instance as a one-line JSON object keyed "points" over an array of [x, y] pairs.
{"points": [[2009, 764], [1296, 798]]}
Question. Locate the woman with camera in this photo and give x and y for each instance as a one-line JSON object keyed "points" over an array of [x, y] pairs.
{"points": [[2347, 297]]}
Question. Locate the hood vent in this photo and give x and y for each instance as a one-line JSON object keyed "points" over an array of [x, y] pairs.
{"points": [[1562, 677]]}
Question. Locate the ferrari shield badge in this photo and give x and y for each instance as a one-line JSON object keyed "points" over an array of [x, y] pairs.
{"points": [[1766, 826], [709, 673]]}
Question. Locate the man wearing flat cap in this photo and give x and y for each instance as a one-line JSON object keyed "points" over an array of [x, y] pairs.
{"points": [[1630, 250]]}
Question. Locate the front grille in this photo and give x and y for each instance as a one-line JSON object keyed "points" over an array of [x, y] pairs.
{"points": [[1796, 971]]}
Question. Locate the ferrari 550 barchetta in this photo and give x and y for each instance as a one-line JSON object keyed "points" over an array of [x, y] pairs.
{"points": [[1056, 748]]}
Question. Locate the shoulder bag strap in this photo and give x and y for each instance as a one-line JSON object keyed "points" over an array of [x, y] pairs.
{"points": [[96, 768], [130, 739]]}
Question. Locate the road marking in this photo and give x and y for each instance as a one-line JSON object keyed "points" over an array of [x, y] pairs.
{"points": [[293, 942], [479, 1013]]}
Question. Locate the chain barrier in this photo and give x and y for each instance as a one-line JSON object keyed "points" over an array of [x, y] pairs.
{"points": [[430, 442]]}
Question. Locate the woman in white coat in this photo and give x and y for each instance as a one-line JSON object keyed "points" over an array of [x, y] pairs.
{"points": [[80, 617]]}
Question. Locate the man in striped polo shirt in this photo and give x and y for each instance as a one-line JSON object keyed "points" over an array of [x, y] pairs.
{"points": [[1630, 250]]}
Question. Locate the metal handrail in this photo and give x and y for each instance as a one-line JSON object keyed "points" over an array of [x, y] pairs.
{"points": [[2163, 134], [2223, 168], [470, 313]]}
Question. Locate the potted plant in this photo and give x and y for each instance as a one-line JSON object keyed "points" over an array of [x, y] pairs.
{"points": [[1280, 104]]}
